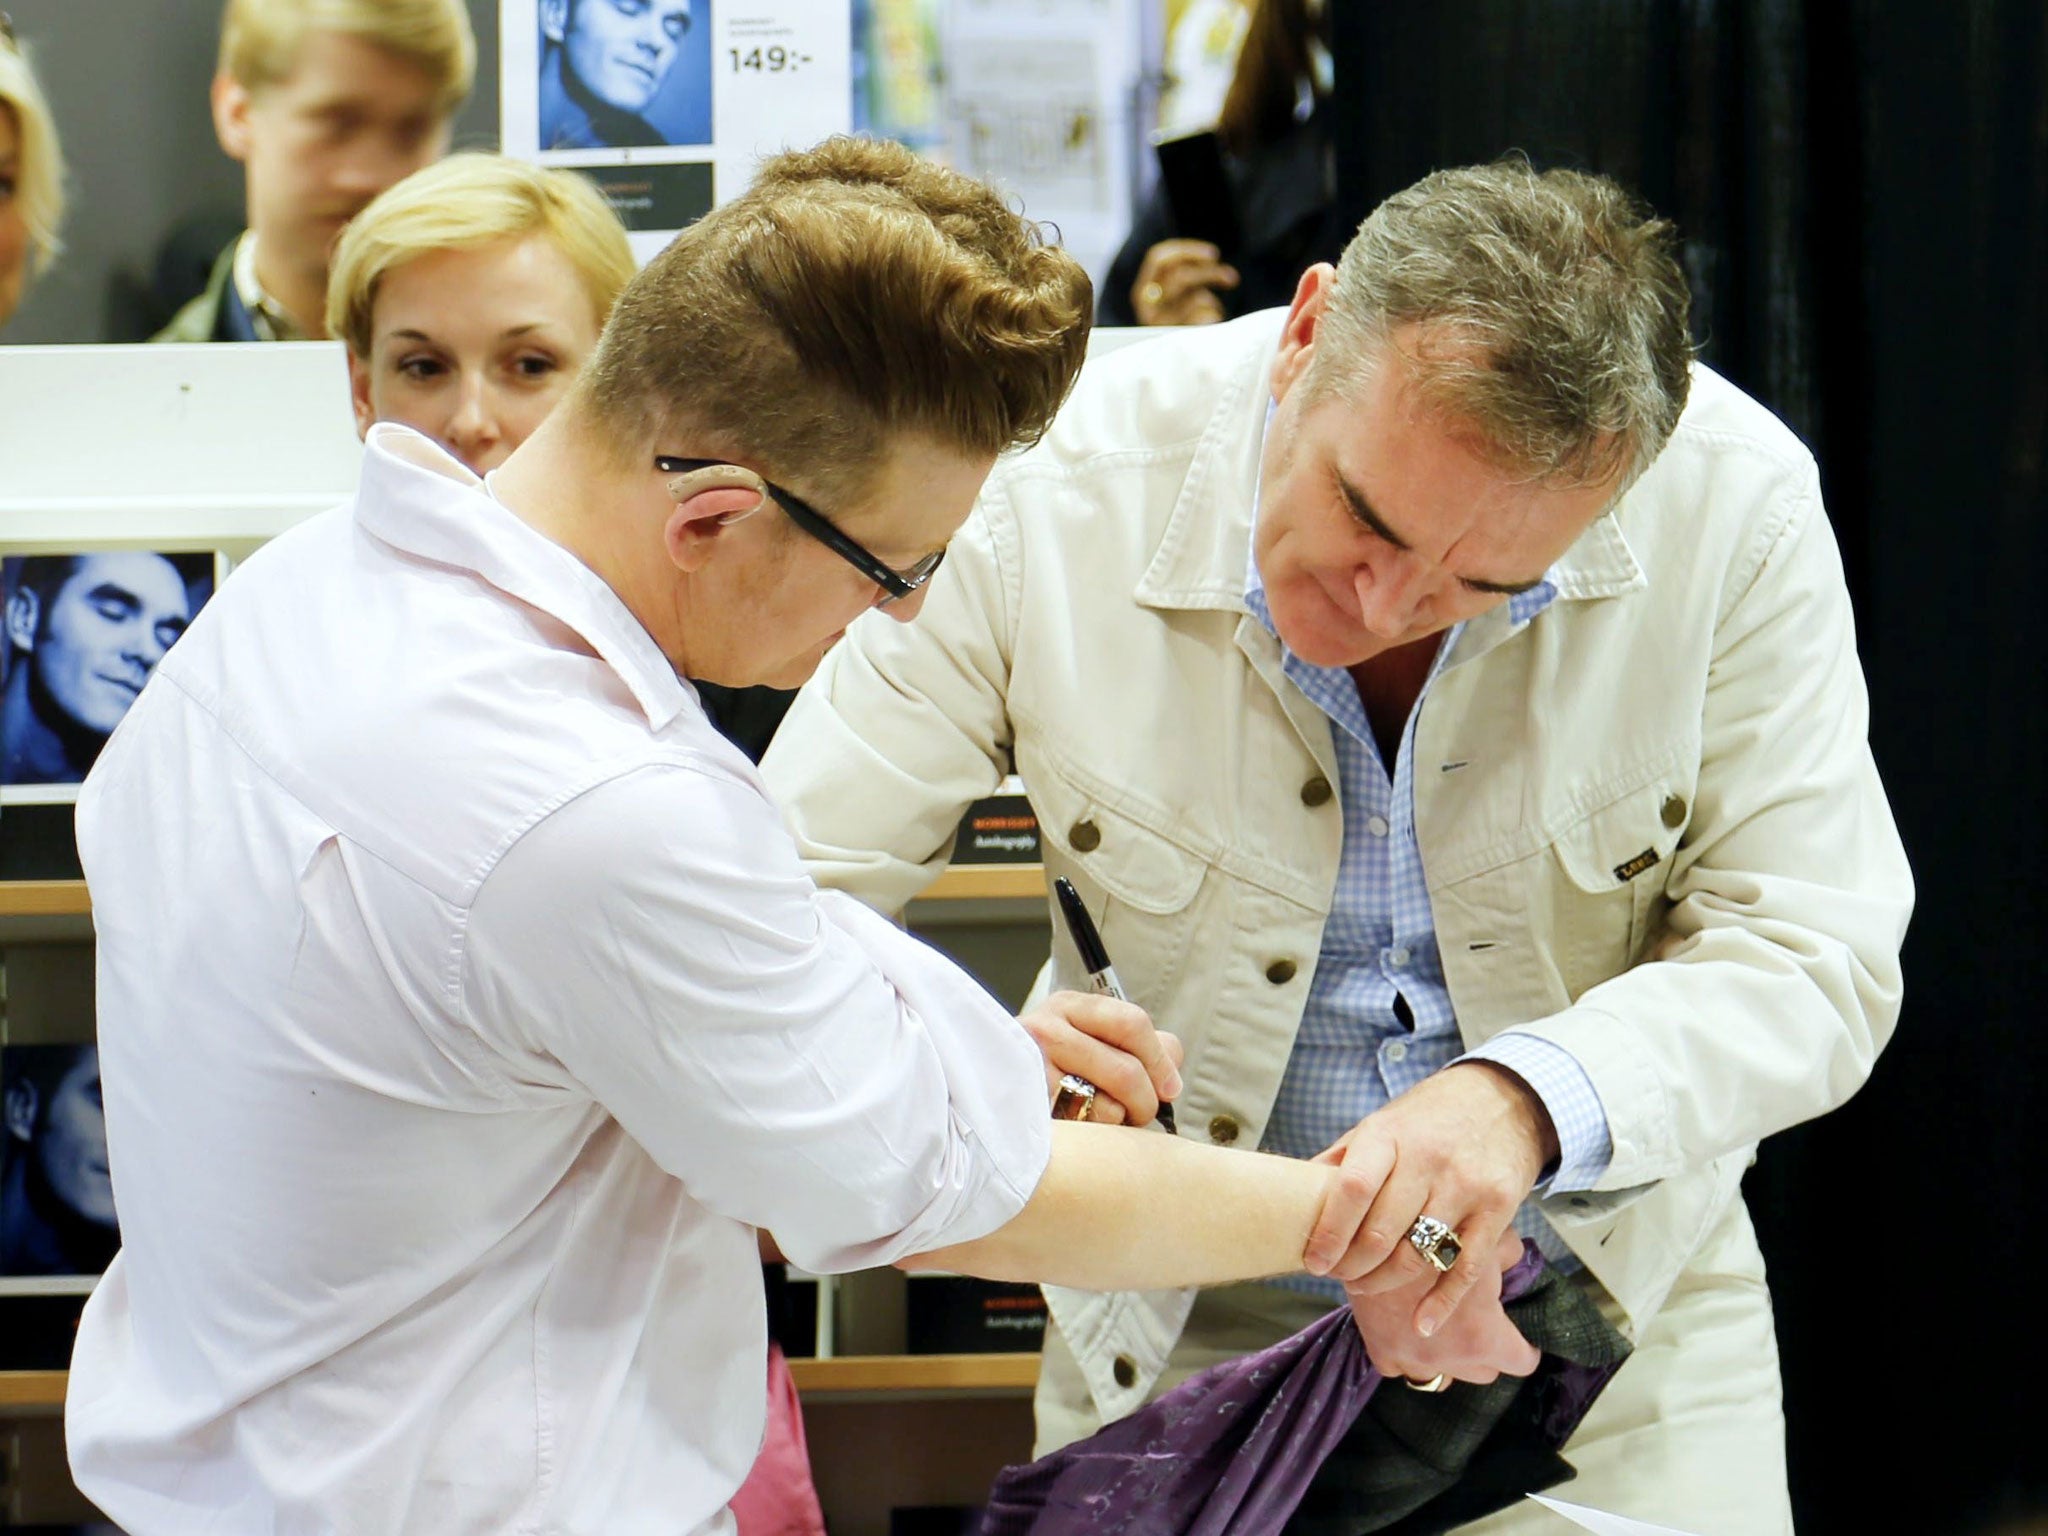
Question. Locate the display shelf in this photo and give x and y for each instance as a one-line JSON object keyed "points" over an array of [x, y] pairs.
{"points": [[42, 1390], [1009, 1375], [39, 901], [988, 882], [44, 898], [912, 1375]]}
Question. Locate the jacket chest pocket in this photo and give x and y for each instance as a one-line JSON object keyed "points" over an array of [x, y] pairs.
{"points": [[1139, 884], [1602, 883]]}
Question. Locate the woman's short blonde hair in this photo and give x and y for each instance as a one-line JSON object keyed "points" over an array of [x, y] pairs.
{"points": [[468, 200], [39, 185], [260, 39]]}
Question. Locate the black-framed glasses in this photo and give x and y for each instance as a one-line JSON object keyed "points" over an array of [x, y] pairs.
{"points": [[897, 584]]}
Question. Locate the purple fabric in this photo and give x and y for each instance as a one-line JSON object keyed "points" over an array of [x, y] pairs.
{"points": [[1225, 1453]]}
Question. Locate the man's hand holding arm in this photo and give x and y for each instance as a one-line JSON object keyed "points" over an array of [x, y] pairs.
{"points": [[1465, 1147]]}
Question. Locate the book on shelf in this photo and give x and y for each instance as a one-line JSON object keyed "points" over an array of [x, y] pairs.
{"points": [[999, 829], [56, 1198], [960, 1315]]}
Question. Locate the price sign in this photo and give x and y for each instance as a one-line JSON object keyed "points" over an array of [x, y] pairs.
{"points": [[669, 105]]}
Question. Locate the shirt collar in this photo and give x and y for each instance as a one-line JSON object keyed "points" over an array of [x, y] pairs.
{"points": [[265, 313], [420, 500]]}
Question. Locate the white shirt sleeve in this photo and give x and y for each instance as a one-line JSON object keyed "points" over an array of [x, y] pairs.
{"points": [[795, 1061]]}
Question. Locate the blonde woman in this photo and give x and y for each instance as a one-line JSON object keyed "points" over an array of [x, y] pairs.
{"points": [[31, 175], [469, 295]]}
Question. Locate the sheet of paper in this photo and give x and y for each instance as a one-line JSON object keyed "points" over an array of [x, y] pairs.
{"points": [[1604, 1524], [1040, 99]]}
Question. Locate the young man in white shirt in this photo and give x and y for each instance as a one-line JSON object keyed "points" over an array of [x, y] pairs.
{"points": [[464, 1007]]}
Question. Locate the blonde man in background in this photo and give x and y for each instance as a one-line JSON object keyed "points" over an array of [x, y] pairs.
{"points": [[31, 175], [326, 103], [469, 296]]}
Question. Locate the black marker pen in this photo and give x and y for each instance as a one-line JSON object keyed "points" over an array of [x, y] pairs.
{"points": [[1095, 959]]}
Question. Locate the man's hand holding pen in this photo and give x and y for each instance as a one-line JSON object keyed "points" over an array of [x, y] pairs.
{"points": [[1112, 1044]]}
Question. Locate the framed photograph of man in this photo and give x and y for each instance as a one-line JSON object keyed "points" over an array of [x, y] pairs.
{"points": [[79, 636], [56, 1199], [624, 74]]}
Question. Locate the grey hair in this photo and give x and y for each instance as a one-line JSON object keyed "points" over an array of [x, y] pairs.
{"points": [[1548, 311]]}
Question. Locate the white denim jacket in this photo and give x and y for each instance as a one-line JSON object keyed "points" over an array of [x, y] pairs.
{"points": [[1651, 826]]}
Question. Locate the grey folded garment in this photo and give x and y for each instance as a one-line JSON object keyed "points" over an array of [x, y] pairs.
{"points": [[1297, 1438]]}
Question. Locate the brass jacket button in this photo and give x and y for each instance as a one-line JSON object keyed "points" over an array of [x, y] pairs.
{"points": [[1316, 791], [1223, 1130], [1280, 972], [1674, 811], [1125, 1370], [1086, 837]]}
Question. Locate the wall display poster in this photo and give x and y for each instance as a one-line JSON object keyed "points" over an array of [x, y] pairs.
{"points": [[1042, 99], [79, 636], [56, 1198], [668, 105]]}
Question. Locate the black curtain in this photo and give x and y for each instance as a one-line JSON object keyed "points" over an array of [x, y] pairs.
{"points": [[1862, 191]]}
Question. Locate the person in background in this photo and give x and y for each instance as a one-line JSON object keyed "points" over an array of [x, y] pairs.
{"points": [[31, 175], [325, 103], [83, 634], [469, 297], [1275, 136], [602, 64], [56, 1201]]}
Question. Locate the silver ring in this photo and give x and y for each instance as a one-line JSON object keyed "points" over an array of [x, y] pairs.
{"points": [[1075, 1100], [1441, 1381], [1436, 1242]]}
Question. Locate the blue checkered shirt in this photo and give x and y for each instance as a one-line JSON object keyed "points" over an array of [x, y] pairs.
{"points": [[1354, 1052]]}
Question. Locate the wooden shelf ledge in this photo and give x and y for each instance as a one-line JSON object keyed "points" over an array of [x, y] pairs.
{"points": [[889, 1375], [988, 882], [963, 882], [33, 1389], [917, 1373], [44, 898]]}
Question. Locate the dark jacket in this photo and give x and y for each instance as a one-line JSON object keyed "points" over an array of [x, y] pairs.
{"points": [[217, 313], [1286, 207]]}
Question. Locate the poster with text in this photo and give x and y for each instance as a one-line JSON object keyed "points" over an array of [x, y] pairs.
{"points": [[1041, 99], [668, 105]]}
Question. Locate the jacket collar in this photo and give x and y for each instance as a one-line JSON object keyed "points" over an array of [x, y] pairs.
{"points": [[417, 498], [1200, 562], [1201, 559]]}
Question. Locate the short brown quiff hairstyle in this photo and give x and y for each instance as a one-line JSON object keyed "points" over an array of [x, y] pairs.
{"points": [[853, 295], [1551, 309]]}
